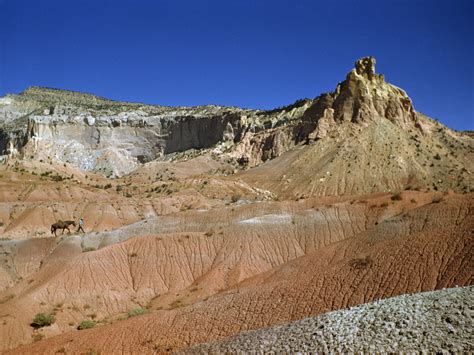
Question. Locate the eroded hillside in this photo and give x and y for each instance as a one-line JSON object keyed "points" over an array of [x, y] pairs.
{"points": [[242, 277], [205, 222], [364, 128]]}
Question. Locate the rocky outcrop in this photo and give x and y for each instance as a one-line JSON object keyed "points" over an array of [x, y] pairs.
{"points": [[113, 138], [365, 96]]}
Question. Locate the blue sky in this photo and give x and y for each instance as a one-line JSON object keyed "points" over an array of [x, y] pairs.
{"points": [[248, 53]]}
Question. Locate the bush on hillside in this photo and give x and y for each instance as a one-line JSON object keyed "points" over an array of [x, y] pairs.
{"points": [[43, 320]]}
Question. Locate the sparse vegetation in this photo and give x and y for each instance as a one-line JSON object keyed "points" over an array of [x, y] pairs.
{"points": [[397, 196], [436, 199], [87, 324], [137, 312], [57, 178], [176, 304], [235, 198], [37, 337], [43, 320]]}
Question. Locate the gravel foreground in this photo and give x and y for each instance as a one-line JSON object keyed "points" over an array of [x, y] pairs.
{"points": [[438, 321]]}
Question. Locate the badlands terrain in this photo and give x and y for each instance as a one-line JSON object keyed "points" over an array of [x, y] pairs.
{"points": [[216, 229]]}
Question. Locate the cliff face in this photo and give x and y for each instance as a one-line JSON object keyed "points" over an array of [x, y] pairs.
{"points": [[100, 135], [113, 138]]}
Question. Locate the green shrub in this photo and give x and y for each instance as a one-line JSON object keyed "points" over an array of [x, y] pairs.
{"points": [[43, 320], [86, 324], [136, 312]]}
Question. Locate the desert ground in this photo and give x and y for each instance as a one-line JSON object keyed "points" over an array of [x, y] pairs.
{"points": [[340, 223]]}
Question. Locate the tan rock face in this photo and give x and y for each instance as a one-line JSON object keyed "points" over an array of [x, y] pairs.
{"points": [[115, 138], [366, 67], [365, 96]]}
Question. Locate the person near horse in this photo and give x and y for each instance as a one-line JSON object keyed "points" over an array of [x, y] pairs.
{"points": [[81, 224]]}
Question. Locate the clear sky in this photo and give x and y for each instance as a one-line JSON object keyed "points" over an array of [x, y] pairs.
{"points": [[248, 53]]}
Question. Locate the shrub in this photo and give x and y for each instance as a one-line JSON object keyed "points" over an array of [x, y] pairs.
{"points": [[136, 312], [57, 178], [86, 324], [396, 196], [436, 199], [235, 198], [43, 320]]}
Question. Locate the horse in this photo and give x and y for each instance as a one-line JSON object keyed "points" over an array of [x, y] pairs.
{"points": [[61, 225]]}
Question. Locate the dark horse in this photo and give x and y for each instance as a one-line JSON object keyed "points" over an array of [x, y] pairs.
{"points": [[61, 225]]}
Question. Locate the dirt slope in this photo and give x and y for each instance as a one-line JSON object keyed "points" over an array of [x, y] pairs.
{"points": [[426, 322], [206, 251], [380, 156], [424, 249]]}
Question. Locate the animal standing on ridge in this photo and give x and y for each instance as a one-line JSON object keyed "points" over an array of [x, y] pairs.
{"points": [[61, 225]]}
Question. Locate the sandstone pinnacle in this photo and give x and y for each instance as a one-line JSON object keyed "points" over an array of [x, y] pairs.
{"points": [[366, 67]]}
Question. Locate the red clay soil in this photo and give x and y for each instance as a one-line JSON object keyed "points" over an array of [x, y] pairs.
{"points": [[426, 248], [182, 257]]}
